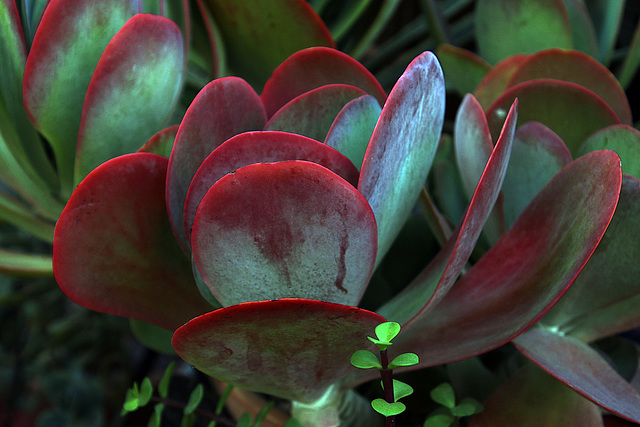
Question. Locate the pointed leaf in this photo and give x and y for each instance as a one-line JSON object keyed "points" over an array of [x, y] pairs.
{"points": [[281, 230], [21, 264], [312, 113], [194, 399], [532, 398], [403, 146], [259, 35], [582, 29], [113, 249], [223, 108], [581, 368], [260, 147], [312, 68], [607, 17], [568, 109], [277, 347], [622, 139], [401, 390], [132, 91], [70, 39], [352, 128]]}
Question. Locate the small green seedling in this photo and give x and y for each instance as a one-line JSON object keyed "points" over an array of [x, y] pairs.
{"points": [[450, 412], [394, 390]]}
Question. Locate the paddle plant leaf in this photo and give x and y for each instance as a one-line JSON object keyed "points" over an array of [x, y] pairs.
{"points": [[403, 146], [259, 35], [463, 70], [161, 143], [290, 348], [260, 147], [133, 89], [531, 398], [312, 113], [312, 68], [66, 48], [113, 248], [282, 230], [223, 108], [622, 139], [531, 25], [582, 368], [495, 82]]}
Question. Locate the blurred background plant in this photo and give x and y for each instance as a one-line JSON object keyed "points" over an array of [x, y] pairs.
{"points": [[65, 365]]}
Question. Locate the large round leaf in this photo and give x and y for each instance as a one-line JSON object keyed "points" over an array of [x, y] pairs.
{"points": [[113, 248], [284, 230], [291, 348]]}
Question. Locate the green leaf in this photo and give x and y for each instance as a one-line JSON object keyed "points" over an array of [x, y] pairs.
{"points": [[194, 399], [440, 420], [444, 395], [387, 409], [244, 420], [163, 387], [401, 390], [404, 359], [467, 406], [385, 333], [292, 422], [156, 417], [260, 416], [146, 390], [131, 399], [188, 420], [364, 359]]}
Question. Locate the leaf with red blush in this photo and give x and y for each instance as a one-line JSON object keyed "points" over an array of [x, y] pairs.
{"points": [[622, 139], [295, 349], [312, 113], [161, 143], [568, 109], [260, 147], [67, 46], [582, 368], [576, 67], [113, 248], [538, 155], [495, 81], [403, 146], [351, 130], [259, 35], [132, 91], [284, 230], [223, 108], [463, 70], [312, 68], [532, 398], [603, 301]]}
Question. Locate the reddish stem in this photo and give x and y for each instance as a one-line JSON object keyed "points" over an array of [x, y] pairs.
{"points": [[387, 383]]}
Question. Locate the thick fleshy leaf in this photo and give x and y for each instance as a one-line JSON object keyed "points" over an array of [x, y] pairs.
{"points": [[433, 283], [291, 348], [403, 146], [260, 147], [312, 68], [568, 109], [352, 128], [223, 108], [538, 155], [161, 143], [132, 91], [526, 271], [70, 39], [113, 248], [579, 68], [463, 70], [506, 28], [532, 398], [582, 368], [312, 113], [622, 139], [259, 35], [284, 230], [582, 29], [604, 299], [497, 79]]}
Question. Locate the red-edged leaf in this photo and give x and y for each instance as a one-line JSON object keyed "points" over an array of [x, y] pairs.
{"points": [[568, 109], [161, 143], [604, 299], [113, 248], [260, 147], [223, 108], [403, 146], [259, 35], [496, 80], [132, 91], [312, 68], [582, 368], [506, 28], [538, 155], [70, 39], [622, 139], [463, 70], [579, 68], [284, 230], [312, 113], [532, 398], [292, 348]]}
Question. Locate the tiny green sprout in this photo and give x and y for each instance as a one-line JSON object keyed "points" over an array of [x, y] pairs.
{"points": [[385, 332], [137, 397], [450, 411]]}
